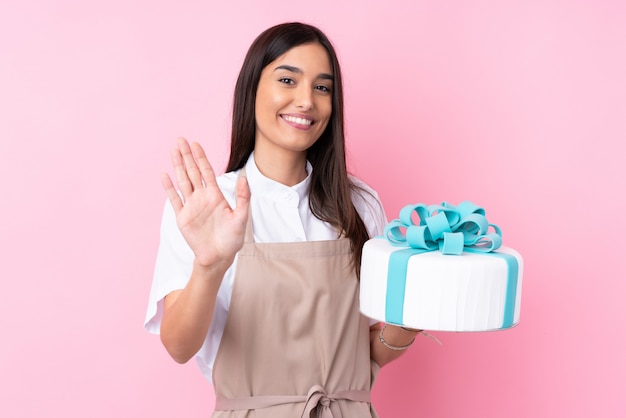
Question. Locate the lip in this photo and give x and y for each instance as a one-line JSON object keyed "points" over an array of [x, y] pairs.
{"points": [[298, 120]]}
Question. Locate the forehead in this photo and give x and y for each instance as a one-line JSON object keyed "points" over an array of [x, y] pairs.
{"points": [[311, 58]]}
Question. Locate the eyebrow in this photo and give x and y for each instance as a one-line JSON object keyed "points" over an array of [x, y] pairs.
{"points": [[297, 70]]}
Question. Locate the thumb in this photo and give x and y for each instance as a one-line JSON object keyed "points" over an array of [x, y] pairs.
{"points": [[242, 202]]}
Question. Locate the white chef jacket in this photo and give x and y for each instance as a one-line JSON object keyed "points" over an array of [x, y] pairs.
{"points": [[280, 214]]}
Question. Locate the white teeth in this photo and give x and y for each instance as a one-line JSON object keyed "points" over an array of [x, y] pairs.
{"points": [[297, 120]]}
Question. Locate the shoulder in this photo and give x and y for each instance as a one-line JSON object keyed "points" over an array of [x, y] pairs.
{"points": [[369, 206], [364, 197]]}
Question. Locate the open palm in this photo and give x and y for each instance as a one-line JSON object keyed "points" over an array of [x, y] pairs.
{"points": [[213, 230]]}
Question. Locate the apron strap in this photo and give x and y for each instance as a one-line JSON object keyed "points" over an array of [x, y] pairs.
{"points": [[317, 398]]}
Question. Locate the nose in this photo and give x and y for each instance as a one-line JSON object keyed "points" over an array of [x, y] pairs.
{"points": [[304, 97]]}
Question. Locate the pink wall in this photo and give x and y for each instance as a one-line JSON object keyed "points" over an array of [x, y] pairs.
{"points": [[518, 106]]}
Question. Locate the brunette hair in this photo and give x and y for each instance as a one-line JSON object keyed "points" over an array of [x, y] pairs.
{"points": [[330, 196]]}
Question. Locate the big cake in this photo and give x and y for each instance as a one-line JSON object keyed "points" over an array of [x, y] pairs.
{"points": [[441, 268]]}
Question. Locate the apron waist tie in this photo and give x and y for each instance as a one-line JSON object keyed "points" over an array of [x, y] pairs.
{"points": [[316, 398]]}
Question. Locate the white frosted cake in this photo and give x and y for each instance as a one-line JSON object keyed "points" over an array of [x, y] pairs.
{"points": [[408, 278]]}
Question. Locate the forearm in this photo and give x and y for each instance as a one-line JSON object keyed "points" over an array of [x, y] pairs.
{"points": [[188, 312], [394, 336]]}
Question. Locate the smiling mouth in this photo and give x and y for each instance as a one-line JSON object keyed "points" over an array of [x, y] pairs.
{"points": [[297, 120]]}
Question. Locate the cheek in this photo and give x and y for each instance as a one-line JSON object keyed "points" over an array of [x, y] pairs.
{"points": [[326, 110], [269, 101]]}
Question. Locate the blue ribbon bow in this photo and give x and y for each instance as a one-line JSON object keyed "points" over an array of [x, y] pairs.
{"points": [[445, 227]]}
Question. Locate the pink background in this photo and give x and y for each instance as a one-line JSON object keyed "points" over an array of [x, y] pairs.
{"points": [[517, 106]]}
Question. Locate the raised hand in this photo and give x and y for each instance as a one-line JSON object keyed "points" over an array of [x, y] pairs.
{"points": [[213, 230]]}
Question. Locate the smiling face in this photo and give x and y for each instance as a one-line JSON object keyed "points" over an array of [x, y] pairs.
{"points": [[293, 100]]}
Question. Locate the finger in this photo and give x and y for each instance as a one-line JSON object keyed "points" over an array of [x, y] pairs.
{"points": [[206, 170], [172, 194], [242, 202], [193, 173], [181, 173]]}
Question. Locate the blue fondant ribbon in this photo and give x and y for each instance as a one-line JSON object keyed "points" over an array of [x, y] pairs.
{"points": [[444, 227], [450, 230]]}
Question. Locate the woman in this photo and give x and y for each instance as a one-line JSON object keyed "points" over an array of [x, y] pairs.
{"points": [[257, 271]]}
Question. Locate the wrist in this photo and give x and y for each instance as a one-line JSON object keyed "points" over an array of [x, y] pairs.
{"points": [[216, 268], [396, 338]]}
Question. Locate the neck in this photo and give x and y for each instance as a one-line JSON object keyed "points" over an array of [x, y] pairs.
{"points": [[288, 168]]}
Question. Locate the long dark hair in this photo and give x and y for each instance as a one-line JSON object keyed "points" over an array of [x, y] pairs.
{"points": [[330, 197]]}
